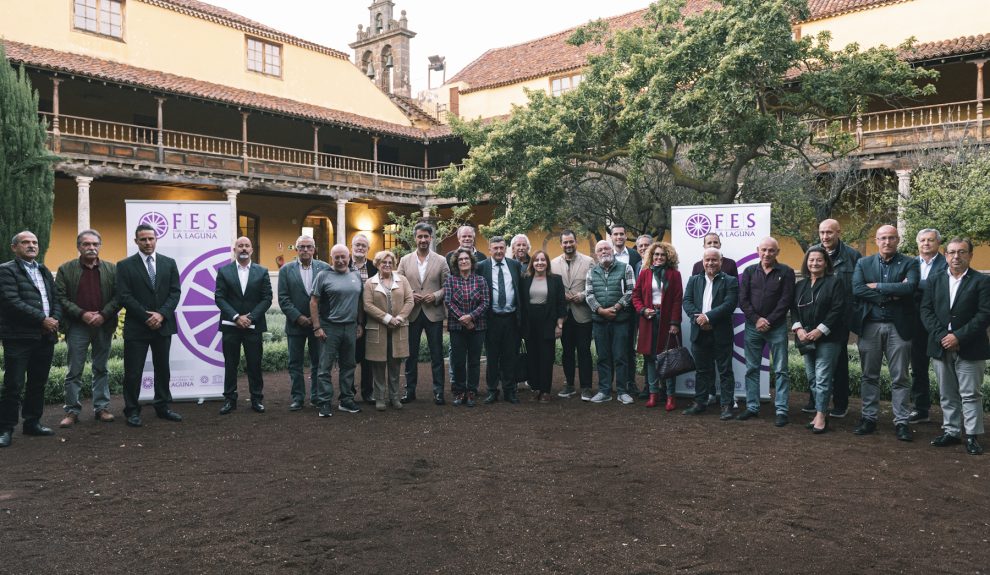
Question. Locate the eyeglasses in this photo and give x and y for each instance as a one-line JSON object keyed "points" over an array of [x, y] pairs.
{"points": [[304, 248], [951, 253]]}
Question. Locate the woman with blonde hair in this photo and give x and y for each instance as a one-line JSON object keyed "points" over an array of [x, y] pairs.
{"points": [[388, 299], [657, 299]]}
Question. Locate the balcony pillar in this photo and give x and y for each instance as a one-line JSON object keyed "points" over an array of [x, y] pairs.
{"points": [[979, 98], [374, 170], [161, 131], [316, 152], [903, 195], [56, 129], [342, 221], [244, 141], [82, 209], [234, 229]]}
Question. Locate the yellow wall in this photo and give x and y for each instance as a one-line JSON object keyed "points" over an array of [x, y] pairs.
{"points": [[161, 39], [492, 102], [926, 20]]}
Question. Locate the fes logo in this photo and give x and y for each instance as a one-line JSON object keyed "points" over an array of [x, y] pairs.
{"points": [[157, 221], [197, 316], [147, 382], [698, 225]]}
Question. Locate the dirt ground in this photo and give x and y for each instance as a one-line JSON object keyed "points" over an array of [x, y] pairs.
{"points": [[567, 487]]}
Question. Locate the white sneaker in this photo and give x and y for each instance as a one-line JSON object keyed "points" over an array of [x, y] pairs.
{"points": [[601, 398], [625, 398]]}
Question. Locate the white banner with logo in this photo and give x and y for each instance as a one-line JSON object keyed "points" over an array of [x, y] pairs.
{"points": [[741, 227], [197, 236]]}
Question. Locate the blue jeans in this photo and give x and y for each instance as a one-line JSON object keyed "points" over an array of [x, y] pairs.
{"points": [[776, 340], [612, 345], [654, 383], [297, 373], [339, 348], [79, 338], [819, 365]]}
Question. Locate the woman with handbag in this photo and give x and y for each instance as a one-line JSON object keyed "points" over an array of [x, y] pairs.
{"points": [[657, 300], [388, 300], [817, 315], [545, 310]]}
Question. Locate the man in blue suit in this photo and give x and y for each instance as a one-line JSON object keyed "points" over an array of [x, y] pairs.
{"points": [[884, 286], [504, 320], [243, 294], [931, 263], [709, 301], [295, 284]]}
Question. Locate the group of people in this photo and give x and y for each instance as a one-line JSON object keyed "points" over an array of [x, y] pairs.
{"points": [[515, 305]]}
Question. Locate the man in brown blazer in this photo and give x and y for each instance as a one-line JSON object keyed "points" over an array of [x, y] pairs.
{"points": [[426, 272]]}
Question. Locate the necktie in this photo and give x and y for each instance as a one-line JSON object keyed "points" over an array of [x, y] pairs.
{"points": [[501, 286], [151, 269]]}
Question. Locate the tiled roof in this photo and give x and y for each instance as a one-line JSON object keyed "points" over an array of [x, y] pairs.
{"points": [[47, 59], [227, 18], [821, 9], [946, 48], [412, 109]]}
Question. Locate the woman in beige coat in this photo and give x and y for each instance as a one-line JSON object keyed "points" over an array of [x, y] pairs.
{"points": [[388, 300]]}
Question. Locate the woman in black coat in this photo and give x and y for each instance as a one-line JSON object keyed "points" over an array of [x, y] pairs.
{"points": [[544, 310], [817, 316]]}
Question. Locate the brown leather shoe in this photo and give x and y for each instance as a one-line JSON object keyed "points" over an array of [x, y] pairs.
{"points": [[69, 420], [104, 416]]}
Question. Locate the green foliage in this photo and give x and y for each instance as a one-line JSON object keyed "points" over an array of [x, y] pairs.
{"points": [[27, 180], [952, 195], [443, 228], [680, 106]]}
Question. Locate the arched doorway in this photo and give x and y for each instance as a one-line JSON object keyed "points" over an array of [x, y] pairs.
{"points": [[318, 224]]}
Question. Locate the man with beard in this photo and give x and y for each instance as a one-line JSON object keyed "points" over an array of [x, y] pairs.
{"points": [[575, 338], [608, 292]]}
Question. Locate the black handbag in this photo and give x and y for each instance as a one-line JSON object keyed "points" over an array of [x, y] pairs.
{"points": [[674, 360]]}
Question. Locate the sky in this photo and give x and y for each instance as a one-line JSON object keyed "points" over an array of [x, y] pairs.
{"points": [[443, 27]]}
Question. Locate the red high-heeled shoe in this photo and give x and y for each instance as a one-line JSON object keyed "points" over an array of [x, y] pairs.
{"points": [[654, 400], [671, 404]]}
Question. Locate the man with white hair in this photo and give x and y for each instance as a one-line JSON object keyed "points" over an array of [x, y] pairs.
{"points": [[931, 263], [465, 239], [361, 264], [608, 292]]}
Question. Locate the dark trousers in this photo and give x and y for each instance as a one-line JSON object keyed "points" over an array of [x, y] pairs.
{"points": [[434, 340], [575, 338], [297, 376], [502, 346], [367, 373], [631, 361], [465, 360], [921, 394], [250, 340], [540, 351], [24, 357], [713, 357], [135, 355], [840, 381]]}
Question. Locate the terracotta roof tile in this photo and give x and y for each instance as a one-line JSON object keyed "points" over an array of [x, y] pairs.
{"points": [[54, 60], [221, 16], [953, 47], [821, 9]]}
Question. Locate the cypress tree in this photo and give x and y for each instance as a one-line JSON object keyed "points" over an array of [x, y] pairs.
{"points": [[27, 177]]}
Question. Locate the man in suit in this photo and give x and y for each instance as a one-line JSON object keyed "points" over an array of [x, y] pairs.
{"points": [[363, 266], [931, 263], [844, 260], [243, 294], [630, 256], [426, 271], [148, 289], [709, 301], [504, 320], [956, 314], [884, 286], [295, 283], [87, 292], [29, 320], [729, 267]]}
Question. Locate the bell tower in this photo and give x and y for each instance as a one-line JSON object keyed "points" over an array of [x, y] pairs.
{"points": [[382, 50]]}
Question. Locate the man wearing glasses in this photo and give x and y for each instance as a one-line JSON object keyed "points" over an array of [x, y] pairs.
{"points": [[884, 286]]}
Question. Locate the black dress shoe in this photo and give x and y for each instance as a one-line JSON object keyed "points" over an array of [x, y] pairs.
{"points": [[168, 414], [780, 420], [5, 439], [946, 440], [492, 397], [973, 446], [134, 421], [295, 406], [695, 409], [903, 432], [408, 397], [257, 406], [747, 414], [819, 430], [865, 427], [438, 399], [228, 406], [726, 414], [511, 397], [35, 428]]}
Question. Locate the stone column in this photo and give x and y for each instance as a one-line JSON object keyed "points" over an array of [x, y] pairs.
{"points": [[342, 221], [903, 195], [232, 200], [426, 212], [82, 210]]}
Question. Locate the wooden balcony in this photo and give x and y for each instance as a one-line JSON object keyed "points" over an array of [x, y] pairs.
{"points": [[98, 147]]}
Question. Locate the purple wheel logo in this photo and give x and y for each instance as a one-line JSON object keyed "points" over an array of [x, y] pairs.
{"points": [[698, 225], [147, 382], [156, 221], [197, 315]]}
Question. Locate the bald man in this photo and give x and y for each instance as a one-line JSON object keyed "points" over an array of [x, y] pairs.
{"points": [[884, 285]]}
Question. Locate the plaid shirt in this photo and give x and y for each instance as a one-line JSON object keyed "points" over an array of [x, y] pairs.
{"points": [[466, 296]]}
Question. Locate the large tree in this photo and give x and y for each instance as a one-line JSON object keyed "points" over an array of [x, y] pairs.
{"points": [[951, 193], [27, 179], [695, 99]]}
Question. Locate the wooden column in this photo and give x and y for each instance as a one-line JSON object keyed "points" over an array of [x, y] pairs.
{"points": [[374, 172], [979, 98], [244, 141], [316, 152], [56, 130], [161, 131]]}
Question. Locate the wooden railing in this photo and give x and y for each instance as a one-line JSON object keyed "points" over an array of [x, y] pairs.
{"points": [[906, 118], [171, 140]]}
